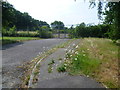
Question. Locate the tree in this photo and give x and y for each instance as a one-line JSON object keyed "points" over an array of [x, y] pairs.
{"points": [[22, 21], [57, 25], [112, 12], [8, 15]]}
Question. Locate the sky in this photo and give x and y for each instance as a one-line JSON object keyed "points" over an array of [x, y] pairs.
{"points": [[68, 11]]}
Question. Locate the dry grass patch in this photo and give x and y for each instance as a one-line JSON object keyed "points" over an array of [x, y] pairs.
{"points": [[98, 58]]}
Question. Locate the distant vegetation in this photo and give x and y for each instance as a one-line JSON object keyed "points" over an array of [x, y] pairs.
{"points": [[14, 21], [83, 30], [17, 24], [22, 21]]}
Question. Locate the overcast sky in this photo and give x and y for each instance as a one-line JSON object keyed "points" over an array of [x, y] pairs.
{"points": [[67, 11]]}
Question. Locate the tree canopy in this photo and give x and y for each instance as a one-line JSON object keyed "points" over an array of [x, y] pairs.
{"points": [[112, 16], [23, 21], [57, 25]]}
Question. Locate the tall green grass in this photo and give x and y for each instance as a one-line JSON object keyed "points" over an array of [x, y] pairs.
{"points": [[97, 58], [82, 64]]}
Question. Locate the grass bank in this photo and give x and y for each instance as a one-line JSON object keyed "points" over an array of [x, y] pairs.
{"points": [[9, 40], [96, 58]]}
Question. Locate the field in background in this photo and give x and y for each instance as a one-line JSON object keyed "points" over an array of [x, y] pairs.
{"points": [[97, 58]]}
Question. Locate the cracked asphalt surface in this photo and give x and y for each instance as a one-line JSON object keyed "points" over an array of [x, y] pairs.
{"points": [[14, 55], [63, 79]]}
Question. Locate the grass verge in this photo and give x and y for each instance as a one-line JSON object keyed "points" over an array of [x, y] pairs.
{"points": [[97, 58]]}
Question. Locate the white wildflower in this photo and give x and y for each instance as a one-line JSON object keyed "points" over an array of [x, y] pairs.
{"points": [[52, 68], [76, 52], [75, 59], [83, 54], [69, 51], [72, 51], [65, 64], [87, 75], [65, 49], [73, 44], [83, 51], [65, 67], [76, 46]]}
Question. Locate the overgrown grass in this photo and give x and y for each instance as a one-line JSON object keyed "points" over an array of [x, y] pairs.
{"points": [[9, 40], [82, 64], [50, 69], [97, 58]]}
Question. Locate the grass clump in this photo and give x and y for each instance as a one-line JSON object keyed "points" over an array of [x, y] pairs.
{"points": [[52, 62], [60, 59], [50, 69], [62, 68], [50, 66]]}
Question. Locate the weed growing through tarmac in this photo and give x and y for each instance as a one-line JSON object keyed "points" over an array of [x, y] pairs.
{"points": [[60, 59], [50, 66], [50, 69], [52, 62]]}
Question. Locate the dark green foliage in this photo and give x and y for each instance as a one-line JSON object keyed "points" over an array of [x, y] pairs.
{"points": [[9, 32], [44, 34], [112, 17], [52, 62], [61, 68], [14, 20], [23, 21], [57, 25], [90, 31]]}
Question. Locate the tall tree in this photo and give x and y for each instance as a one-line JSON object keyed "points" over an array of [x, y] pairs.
{"points": [[112, 12], [57, 25], [22, 21]]}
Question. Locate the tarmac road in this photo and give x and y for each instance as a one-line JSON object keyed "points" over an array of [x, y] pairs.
{"points": [[62, 79], [16, 54], [70, 82]]}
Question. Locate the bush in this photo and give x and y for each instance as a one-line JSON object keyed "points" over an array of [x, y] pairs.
{"points": [[44, 34], [9, 32], [39, 33]]}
